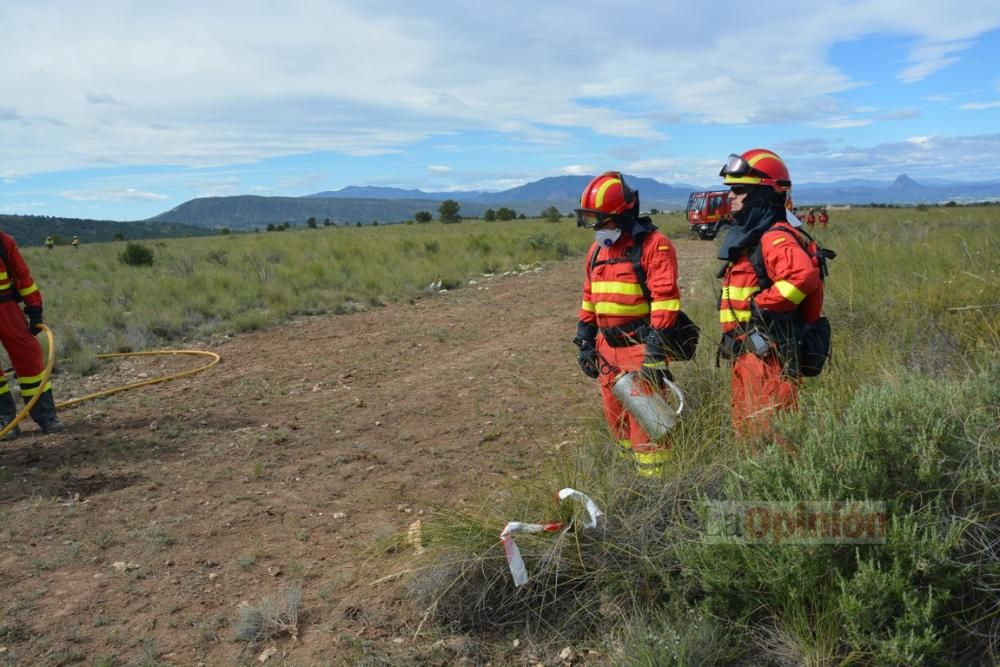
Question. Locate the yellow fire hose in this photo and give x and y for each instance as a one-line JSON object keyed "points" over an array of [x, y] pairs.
{"points": [[50, 362]]}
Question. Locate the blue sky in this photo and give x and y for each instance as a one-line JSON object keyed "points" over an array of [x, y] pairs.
{"points": [[123, 110]]}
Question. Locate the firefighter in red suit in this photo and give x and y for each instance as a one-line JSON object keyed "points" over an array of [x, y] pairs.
{"points": [[18, 338], [756, 322], [619, 328], [811, 218]]}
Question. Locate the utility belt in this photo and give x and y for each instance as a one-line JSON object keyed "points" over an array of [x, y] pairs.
{"points": [[775, 334], [9, 295], [632, 333]]}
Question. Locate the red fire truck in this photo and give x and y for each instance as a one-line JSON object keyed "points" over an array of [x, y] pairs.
{"points": [[708, 212]]}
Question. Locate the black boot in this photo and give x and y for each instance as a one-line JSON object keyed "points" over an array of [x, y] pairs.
{"points": [[44, 413], [8, 410]]}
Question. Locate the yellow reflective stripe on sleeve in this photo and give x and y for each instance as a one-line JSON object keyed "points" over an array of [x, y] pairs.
{"points": [[738, 293], [605, 308], [779, 240], [614, 287], [28, 290], [667, 304], [790, 291], [4, 276], [5, 286], [734, 315], [588, 306]]}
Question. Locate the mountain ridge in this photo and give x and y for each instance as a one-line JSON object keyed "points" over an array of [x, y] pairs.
{"points": [[391, 205]]}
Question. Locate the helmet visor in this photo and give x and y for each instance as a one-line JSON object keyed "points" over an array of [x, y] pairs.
{"points": [[591, 218], [735, 166]]}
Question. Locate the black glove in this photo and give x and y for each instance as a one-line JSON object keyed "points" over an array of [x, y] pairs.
{"points": [[34, 314], [586, 340], [654, 371]]}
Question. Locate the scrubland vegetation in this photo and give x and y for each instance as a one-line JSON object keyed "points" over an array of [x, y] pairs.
{"points": [[906, 414], [133, 296]]}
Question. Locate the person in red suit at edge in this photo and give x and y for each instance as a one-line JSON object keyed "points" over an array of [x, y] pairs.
{"points": [[619, 329], [18, 338], [750, 315]]}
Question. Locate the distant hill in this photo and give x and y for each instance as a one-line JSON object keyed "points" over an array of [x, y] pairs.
{"points": [[29, 230], [248, 212], [903, 190], [366, 204]]}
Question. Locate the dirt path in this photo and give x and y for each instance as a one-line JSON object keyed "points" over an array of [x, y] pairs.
{"points": [[307, 444]]}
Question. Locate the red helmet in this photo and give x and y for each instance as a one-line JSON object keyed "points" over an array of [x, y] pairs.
{"points": [[604, 197], [757, 166]]}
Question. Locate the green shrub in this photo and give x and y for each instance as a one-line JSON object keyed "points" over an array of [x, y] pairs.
{"points": [[928, 450], [136, 254]]}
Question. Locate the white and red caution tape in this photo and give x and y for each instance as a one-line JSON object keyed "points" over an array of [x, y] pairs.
{"points": [[514, 560]]}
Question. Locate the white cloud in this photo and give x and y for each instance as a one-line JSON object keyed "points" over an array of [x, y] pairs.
{"points": [[101, 98], [976, 106], [955, 158], [122, 194], [900, 114], [248, 81], [578, 170], [20, 207], [438, 169]]}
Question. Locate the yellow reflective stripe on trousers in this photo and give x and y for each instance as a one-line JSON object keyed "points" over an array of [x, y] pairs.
{"points": [[734, 315], [666, 304], [790, 291], [606, 308], [651, 464], [24, 379], [624, 448], [28, 392], [615, 287], [738, 293], [655, 457]]}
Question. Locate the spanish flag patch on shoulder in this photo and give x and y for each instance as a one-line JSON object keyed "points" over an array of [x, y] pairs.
{"points": [[663, 247], [779, 240]]}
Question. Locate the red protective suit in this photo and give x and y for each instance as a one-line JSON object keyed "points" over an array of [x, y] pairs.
{"points": [[23, 349], [758, 386], [614, 302]]}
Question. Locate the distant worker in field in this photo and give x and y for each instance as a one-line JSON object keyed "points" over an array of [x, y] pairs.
{"points": [[771, 287], [823, 218], [630, 318], [18, 338], [811, 218], [76, 242], [49, 243]]}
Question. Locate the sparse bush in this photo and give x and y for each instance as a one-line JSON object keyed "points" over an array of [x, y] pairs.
{"points": [[272, 617], [136, 254]]}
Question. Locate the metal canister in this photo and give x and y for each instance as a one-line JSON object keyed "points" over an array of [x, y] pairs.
{"points": [[649, 408]]}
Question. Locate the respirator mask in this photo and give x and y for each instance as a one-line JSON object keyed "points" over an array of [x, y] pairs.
{"points": [[607, 237]]}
